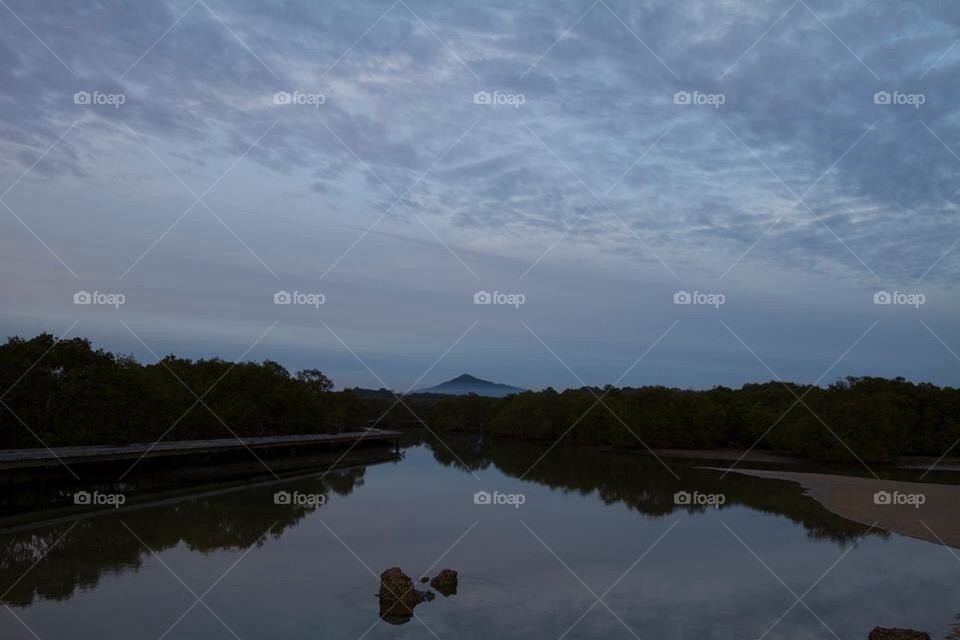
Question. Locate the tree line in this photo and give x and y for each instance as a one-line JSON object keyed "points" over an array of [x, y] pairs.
{"points": [[66, 392], [867, 417]]}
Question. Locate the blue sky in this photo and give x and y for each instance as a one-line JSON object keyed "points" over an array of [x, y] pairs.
{"points": [[785, 161]]}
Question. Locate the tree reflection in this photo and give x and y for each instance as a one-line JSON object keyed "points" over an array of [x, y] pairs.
{"points": [[642, 483], [95, 546]]}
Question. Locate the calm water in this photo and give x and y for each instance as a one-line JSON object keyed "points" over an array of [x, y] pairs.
{"points": [[525, 572]]}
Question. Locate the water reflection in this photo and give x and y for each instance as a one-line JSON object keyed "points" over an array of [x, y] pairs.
{"points": [[411, 513], [236, 521], [643, 484], [96, 546]]}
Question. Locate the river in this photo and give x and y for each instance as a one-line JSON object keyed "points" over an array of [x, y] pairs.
{"points": [[572, 544]]}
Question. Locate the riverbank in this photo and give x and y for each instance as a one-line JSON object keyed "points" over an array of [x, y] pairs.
{"points": [[921, 510], [729, 455]]}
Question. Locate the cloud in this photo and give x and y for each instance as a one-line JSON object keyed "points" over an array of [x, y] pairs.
{"points": [[398, 131]]}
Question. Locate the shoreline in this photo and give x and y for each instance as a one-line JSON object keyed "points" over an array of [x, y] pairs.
{"points": [[853, 498]]}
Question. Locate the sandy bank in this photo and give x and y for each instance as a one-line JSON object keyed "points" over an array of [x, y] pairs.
{"points": [[921, 510]]}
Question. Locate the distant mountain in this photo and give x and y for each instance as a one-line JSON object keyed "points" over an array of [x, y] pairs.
{"points": [[466, 384]]}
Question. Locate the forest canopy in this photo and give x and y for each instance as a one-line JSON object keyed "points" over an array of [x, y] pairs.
{"points": [[66, 392]]}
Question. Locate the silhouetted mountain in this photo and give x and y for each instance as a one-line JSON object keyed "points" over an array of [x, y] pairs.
{"points": [[466, 384]]}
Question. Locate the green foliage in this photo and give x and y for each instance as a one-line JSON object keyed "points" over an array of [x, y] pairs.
{"points": [[68, 393], [870, 418]]}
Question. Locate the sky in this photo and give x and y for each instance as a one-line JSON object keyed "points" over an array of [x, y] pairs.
{"points": [[540, 193]]}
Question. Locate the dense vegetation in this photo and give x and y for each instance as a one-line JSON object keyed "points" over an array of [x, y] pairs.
{"points": [[67, 393], [875, 417], [71, 394]]}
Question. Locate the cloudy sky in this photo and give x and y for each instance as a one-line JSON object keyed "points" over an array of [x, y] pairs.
{"points": [[784, 163]]}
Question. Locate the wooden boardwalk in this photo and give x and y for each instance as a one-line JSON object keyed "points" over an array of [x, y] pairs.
{"points": [[26, 458]]}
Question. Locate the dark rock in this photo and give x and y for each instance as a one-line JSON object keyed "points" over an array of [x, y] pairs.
{"points": [[445, 582], [393, 618], [897, 634], [398, 597]]}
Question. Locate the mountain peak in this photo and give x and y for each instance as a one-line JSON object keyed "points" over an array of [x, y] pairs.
{"points": [[466, 384]]}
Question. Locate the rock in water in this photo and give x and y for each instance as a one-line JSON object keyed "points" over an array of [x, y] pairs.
{"points": [[445, 582], [897, 634], [398, 597]]}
